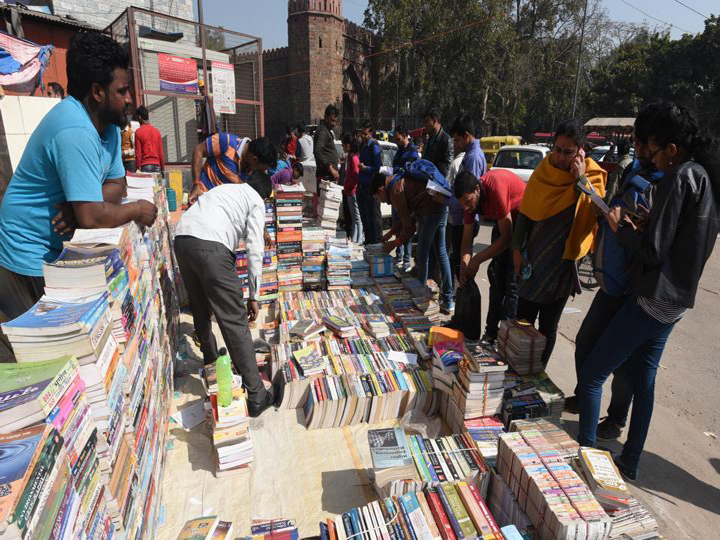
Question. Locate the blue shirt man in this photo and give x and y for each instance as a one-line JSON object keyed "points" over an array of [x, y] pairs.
{"points": [[474, 162], [403, 156], [66, 160], [370, 156]]}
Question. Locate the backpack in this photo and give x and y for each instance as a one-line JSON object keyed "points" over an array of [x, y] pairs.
{"points": [[610, 259], [424, 171]]}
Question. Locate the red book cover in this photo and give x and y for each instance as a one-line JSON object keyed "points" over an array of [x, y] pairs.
{"points": [[485, 511], [441, 520]]}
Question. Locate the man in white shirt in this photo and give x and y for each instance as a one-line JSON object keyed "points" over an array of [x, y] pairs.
{"points": [[205, 241], [304, 148]]}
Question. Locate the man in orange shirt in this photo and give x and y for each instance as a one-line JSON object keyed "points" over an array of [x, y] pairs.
{"points": [[149, 154]]}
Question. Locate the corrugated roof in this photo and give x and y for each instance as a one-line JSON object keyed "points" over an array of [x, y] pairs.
{"points": [[610, 122], [24, 12]]}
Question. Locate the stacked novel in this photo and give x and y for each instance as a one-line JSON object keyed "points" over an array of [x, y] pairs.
{"points": [[231, 433], [330, 201], [342, 328], [522, 346], [393, 471], [269, 279], [206, 528], [274, 529], [485, 431], [448, 511], [560, 440], [447, 355], [338, 264], [140, 186], [313, 263], [376, 326], [555, 498], [359, 267], [288, 208], [604, 479], [381, 264], [479, 382]]}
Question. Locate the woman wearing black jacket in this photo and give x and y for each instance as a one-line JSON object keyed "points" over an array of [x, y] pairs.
{"points": [[669, 249]]}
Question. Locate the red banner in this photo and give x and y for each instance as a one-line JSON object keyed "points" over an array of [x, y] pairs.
{"points": [[177, 74]]}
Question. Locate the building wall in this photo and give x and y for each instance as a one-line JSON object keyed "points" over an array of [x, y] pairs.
{"points": [[101, 14], [278, 93]]}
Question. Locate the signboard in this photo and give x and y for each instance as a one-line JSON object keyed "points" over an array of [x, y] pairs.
{"points": [[223, 87], [177, 74]]}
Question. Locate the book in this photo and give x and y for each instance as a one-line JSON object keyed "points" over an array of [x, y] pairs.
{"points": [[29, 391], [199, 528], [53, 318], [604, 478]]}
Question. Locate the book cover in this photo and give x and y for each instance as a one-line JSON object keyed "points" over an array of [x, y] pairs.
{"points": [[388, 448], [51, 317], [198, 529], [441, 519]]}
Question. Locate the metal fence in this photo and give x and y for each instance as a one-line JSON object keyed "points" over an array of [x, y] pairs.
{"points": [[176, 111]]}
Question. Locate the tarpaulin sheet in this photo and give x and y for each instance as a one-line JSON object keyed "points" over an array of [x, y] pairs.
{"points": [[31, 60]]}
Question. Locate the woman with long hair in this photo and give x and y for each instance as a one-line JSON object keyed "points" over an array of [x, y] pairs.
{"points": [[351, 147], [554, 230], [669, 248]]}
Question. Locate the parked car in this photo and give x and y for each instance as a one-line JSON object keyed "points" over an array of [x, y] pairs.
{"points": [[600, 153], [520, 159]]}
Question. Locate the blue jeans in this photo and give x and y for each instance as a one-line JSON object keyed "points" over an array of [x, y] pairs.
{"points": [[403, 253], [150, 168], [635, 338], [431, 236], [369, 214], [356, 229]]}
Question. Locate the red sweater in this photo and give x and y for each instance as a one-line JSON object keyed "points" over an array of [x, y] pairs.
{"points": [[149, 147], [352, 173]]}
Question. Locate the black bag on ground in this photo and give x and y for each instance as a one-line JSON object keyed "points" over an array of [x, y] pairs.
{"points": [[468, 310]]}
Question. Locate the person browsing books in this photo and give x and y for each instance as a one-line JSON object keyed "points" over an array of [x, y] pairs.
{"points": [[228, 160], [496, 196], [72, 163], [412, 201], [205, 242]]}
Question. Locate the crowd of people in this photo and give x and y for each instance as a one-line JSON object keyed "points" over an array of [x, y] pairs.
{"points": [[658, 233]]}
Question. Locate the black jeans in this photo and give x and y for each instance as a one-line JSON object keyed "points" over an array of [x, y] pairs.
{"points": [[455, 245], [503, 289], [549, 315], [602, 310], [18, 293], [150, 168], [370, 215], [208, 271]]}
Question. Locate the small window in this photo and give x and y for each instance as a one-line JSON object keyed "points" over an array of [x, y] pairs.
{"points": [[320, 42]]}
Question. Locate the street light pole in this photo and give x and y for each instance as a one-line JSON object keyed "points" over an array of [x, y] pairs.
{"points": [[577, 73]]}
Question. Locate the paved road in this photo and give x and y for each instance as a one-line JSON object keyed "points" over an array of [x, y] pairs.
{"points": [[680, 469]]}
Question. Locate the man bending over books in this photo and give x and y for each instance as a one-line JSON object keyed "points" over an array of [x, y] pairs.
{"points": [[72, 163], [205, 242]]}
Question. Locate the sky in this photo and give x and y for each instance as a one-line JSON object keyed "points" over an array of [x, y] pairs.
{"points": [[268, 18]]}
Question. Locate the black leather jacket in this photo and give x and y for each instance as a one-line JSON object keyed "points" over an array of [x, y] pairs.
{"points": [[439, 151], [670, 252]]}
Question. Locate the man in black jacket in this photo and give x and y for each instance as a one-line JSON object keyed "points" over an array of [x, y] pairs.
{"points": [[326, 155], [439, 147]]}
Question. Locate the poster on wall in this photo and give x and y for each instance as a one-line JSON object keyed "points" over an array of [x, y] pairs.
{"points": [[223, 87], [177, 74]]}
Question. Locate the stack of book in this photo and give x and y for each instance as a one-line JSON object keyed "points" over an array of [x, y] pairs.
{"points": [[207, 528], [446, 511], [604, 479], [306, 330], [274, 529], [342, 328], [447, 355], [381, 264], [313, 263], [505, 507], [560, 440], [485, 431], [288, 200], [479, 383], [338, 264], [50, 469], [522, 404], [376, 326], [555, 498], [231, 433], [141, 186], [330, 201], [634, 523], [241, 268], [353, 398], [359, 267], [428, 307], [393, 473], [269, 279], [522, 346]]}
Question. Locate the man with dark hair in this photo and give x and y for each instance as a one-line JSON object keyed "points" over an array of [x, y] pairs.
{"points": [[406, 153], [327, 159], [229, 160], [72, 163], [149, 153], [412, 201], [370, 163], [205, 241], [462, 132], [288, 175], [55, 90], [439, 146], [304, 148], [496, 197], [624, 161]]}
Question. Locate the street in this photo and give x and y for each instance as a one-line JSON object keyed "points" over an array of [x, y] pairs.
{"points": [[679, 477]]}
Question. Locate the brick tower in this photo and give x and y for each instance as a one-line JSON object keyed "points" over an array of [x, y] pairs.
{"points": [[316, 43]]}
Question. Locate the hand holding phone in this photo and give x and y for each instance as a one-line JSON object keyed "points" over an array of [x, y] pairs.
{"points": [[578, 166]]}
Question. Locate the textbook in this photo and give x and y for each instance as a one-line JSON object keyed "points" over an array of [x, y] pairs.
{"points": [[55, 318], [199, 528]]}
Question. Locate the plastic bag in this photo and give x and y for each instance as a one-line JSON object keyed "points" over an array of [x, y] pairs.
{"points": [[416, 422], [468, 310]]}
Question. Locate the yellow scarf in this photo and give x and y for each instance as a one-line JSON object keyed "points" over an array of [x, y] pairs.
{"points": [[551, 190]]}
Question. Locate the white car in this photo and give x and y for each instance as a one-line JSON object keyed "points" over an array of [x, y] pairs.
{"points": [[520, 159]]}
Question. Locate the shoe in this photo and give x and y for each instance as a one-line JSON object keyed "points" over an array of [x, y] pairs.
{"points": [[608, 430], [256, 409], [195, 339], [628, 472], [407, 268], [447, 308], [572, 406]]}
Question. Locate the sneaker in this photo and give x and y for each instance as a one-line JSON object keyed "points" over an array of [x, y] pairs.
{"points": [[608, 430], [572, 405], [407, 267], [447, 308], [628, 472]]}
